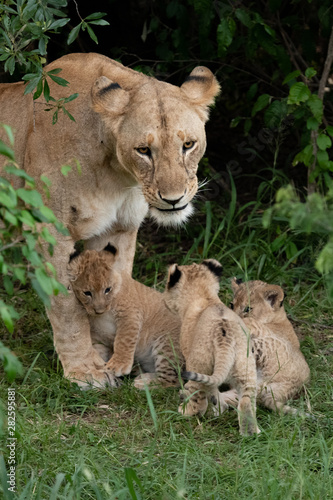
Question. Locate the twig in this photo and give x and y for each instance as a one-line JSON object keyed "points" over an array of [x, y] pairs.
{"points": [[12, 244]]}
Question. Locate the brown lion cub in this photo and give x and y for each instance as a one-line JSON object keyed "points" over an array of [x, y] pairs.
{"points": [[214, 342], [282, 369], [128, 319]]}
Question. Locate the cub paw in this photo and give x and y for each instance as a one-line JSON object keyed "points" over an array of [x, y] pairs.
{"points": [[118, 368], [145, 380], [192, 404]]}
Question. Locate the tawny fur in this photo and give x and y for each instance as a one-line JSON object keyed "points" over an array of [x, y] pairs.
{"points": [[129, 321], [117, 112], [282, 368], [214, 341]]}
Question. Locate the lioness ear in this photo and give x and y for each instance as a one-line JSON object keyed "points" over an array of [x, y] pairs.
{"points": [[201, 87], [214, 266], [108, 96], [110, 248], [174, 276]]}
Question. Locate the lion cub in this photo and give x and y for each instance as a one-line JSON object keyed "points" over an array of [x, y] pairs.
{"points": [[128, 319], [282, 369], [214, 342]]}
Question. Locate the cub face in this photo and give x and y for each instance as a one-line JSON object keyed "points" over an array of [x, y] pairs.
{"points": [[93, 279], [185, 283], [160, 134], [258, 300]]}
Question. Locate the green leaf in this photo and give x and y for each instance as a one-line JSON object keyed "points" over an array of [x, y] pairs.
{"points": [[11, 169], [39, 90], [95, 15], [55, 71], [20, 274], [323, 142], [305, 156], [312, 123], [6, 151], [92, 34], [100, 22], [316, 106], [9, 217], [44, 280], [73, 34], [47, 236], [298, 93], [310, 73], [9, 199], [260, 104], [252, 92], [7, 318], [65, 170], [329, 130], [26, 218], [71, 98], [47, 213], [9, 133], [30, 87], [225, 33], [46, 92], [31, 197], [8, 284], [59, 81], [275, 113], [291, 76], [71, 117], [244, 17]]}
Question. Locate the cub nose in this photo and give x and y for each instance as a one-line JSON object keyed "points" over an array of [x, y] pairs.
{"points": [[170, 201]]}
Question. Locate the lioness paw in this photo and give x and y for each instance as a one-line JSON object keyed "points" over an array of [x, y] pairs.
{"points": [[94, 379]]}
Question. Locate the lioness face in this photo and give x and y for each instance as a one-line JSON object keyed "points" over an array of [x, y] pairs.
{"points": [[160, 137], [162, 145]]}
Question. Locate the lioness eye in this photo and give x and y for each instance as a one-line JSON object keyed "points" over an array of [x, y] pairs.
{"points": [[87, 293], [188, 145], [144, 151], [107, 290]]}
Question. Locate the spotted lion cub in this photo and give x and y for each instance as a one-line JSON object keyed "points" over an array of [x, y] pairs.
{"points": [[282, 369], [214, 342], [128, 320]]}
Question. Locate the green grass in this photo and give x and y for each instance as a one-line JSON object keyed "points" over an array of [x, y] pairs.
{"points": [[121, 444]]}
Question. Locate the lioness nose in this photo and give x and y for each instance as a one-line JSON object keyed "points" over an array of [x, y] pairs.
{"points": [[171, 202]]}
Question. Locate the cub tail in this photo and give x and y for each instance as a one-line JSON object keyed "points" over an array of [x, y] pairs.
{"points": [[210, 380]]}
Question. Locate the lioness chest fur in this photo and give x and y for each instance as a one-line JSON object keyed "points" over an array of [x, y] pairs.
{"points": [[282, 368], [214, 342], [129, 321]]}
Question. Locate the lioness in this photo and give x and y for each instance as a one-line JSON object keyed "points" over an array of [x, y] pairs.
{"points": [[138, 141], [214, 342], [128, 320]]}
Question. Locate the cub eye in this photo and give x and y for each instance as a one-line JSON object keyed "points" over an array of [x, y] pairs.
{"points": [[144, 151], [107, 290], [188, 145], [87, 293], [247, 309], [231, 305]]}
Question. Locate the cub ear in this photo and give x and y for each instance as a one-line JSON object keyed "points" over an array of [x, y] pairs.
{"points": [[201, 87], [110, 248], [274, 295], [108, 96], [174, 276], [235, 282], [73, 266], [214, 266]]}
